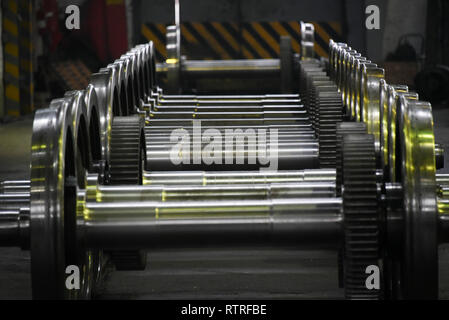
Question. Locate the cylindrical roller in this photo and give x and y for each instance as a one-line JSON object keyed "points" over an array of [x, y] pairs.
{"points": [[225, 108], [15, 200], [164, 135], [226, 68], [230, 103], [156, 137], [159, 140], [183, 192], [238, 156], [14, 186], [312, 223], [281, 130], [229, 122], [150, 126], [237, 177], [230, 97], [237, 115]]}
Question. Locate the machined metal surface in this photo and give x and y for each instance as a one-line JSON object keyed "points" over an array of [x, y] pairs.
{"points": [[369, 190], [417, 171]]}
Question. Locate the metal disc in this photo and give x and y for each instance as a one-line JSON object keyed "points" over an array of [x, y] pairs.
{"points": [[53, 192], [393, 131], [416, 170], [370, 98], [105, 86]]}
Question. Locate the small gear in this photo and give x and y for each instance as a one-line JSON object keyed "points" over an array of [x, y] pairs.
{"points": [[361, 214], [313, 83], [328, 113], [127, 151], [308, 67], [126, 165], [344, 128]]}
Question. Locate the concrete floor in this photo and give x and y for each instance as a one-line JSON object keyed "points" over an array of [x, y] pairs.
{"points": [[252, 273]]}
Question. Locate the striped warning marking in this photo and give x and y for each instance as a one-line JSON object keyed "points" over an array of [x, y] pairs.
{"points": [[26, 49], [11, 75], [230, 40], [151, 32]]}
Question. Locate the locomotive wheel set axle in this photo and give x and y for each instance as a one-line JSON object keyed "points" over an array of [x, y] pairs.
{"points": [[357, 164]]}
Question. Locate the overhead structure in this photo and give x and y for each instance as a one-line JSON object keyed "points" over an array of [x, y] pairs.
{"points": [[180, 72]]}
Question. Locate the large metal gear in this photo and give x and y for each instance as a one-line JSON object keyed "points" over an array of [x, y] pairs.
{"points": [[345, 128], [127, 151], [329, 112], [361, 214], [126, 165]]}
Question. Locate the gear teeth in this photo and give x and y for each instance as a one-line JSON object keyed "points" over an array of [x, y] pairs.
{"points": [[327, 114], [127, 152], [324, 105], [307, 68], [344, 128], [361, 210], [125, 158]]}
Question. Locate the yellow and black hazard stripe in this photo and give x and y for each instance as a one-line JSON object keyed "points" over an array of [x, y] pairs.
{"points": [[26, 55], [11, 74], [156, 33], [231, 40]]}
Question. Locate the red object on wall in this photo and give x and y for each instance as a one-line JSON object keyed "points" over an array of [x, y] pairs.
{"points": [[47, 17], [116, 25], [106, 25], [96, 28]]}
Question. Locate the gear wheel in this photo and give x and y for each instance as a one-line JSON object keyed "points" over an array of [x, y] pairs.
{"points": [[361, 214], [127, 151], [344, 128], [328, 113], [126, 165]]}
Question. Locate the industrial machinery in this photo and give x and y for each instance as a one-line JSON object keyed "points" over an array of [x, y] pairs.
{"points": [[273, 75], [122, 167]]}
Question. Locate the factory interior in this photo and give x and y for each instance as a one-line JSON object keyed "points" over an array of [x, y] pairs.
{"points": [[224, 150]]}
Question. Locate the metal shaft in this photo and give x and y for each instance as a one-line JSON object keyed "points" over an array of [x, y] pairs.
{"points": [[238, 115], [242, 122], [181, 192], [152, 224], [209, 178], [231, 107], [228, 103], [191, 156], [230, 97], [165, 136], [188, 125], [227, 68]]}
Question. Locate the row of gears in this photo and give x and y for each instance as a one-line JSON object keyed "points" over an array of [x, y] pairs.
{"points": [[324, 104], [347, 147]]}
